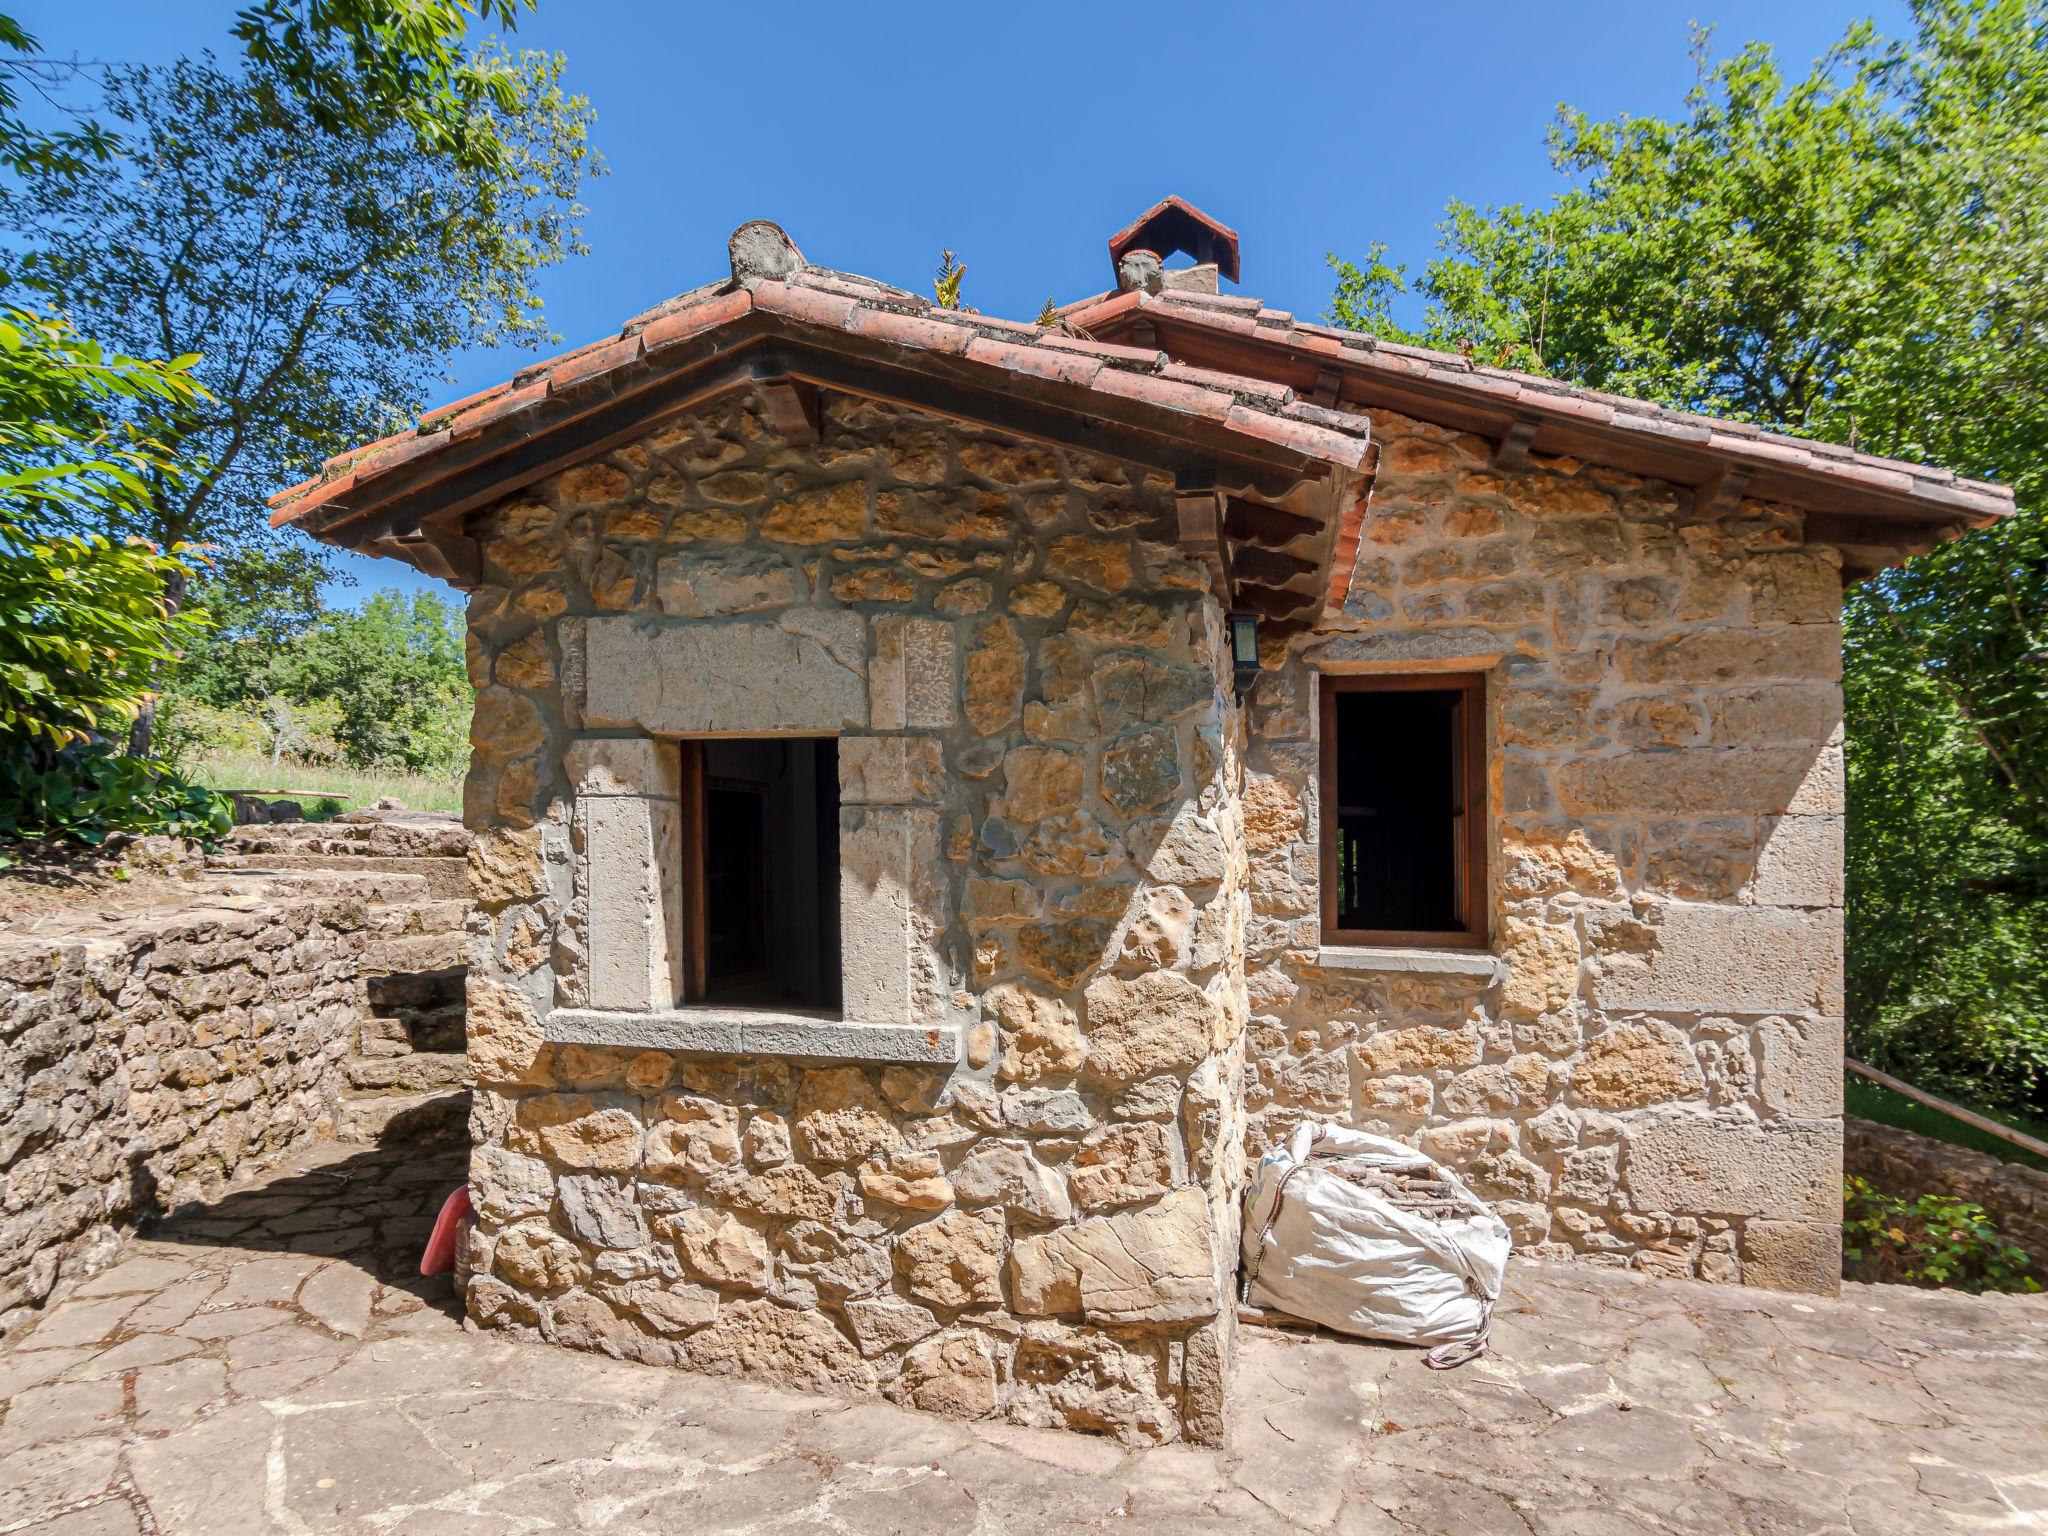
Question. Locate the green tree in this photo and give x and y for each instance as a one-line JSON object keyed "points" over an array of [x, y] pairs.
{"points": [[95, 445], [395, 672], [321, 273], [84, 624], [359, 65], [1858, 254]]}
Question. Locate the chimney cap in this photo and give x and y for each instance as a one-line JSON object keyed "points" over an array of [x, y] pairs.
{"points": [[1175, 224]]}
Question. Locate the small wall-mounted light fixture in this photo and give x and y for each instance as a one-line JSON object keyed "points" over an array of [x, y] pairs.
{"points": [[1244, 649]]}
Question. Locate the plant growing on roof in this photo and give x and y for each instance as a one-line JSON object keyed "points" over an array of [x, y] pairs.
{"points": [[946, 283]]}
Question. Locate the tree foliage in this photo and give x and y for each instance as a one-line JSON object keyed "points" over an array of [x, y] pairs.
{"points": [[1859, 253], [319, 272], [384, 686], [365, 194], [84, 623], [359, 65]]}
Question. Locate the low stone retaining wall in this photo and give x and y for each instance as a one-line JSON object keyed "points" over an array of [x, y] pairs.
{"points": [[147, 1063], [1906, 1165]]}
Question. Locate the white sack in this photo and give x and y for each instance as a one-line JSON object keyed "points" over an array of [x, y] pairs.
{"points": [[1321, 1247]]}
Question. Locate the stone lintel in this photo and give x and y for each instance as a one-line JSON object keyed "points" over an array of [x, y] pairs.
{"points": [[754, 1032], [1409, 962], [725, 677], [1459, 648]]}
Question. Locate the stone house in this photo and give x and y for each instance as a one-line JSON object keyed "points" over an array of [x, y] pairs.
{"points": [[948, 792]]}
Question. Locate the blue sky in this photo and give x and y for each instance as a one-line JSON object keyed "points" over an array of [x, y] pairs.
{"points": [[1022, 136]]}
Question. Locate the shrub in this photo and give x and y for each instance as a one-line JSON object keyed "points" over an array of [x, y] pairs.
{"points": [[83, 793], [1934, 1240]]}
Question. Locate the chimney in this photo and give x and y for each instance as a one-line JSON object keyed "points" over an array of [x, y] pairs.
{"points": [[1173, 225]]}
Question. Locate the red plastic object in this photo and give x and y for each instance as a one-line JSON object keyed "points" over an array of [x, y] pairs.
{"points": [[439, 1258]]}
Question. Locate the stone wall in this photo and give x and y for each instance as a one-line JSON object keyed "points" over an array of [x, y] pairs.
{"points": [[147, 1063], [1041, 855], [1907, 1165], [1648, 1071]]}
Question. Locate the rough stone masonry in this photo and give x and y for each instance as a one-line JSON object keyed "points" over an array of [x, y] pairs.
{"points": [[147, 1064], [1648, 1068], [1039, 820]]}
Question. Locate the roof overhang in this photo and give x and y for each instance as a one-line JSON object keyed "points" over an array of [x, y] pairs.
{"points": [[1876, 511], [1288, 481]]}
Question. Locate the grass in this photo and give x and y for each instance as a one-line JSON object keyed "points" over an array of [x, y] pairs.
{"points": [[1873, 1102], [300, 781]]}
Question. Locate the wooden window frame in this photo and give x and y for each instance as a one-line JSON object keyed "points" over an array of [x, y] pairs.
{"points": [[1469, 769], [696, 935]]}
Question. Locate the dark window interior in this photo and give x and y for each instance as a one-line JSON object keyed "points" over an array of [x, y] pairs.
{"points": [[1396, 811], [769, 931], [1403, 809]]}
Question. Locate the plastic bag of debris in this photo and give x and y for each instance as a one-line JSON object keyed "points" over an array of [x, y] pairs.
{"points": [[1369, 1237]]}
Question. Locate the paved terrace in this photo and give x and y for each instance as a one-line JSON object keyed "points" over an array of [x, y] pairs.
{"points": [[274, 1365]]}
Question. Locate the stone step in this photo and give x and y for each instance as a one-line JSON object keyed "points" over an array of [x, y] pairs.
{"points": [[404, 919], [439, 1029], [405, 1119], [430, 1030], [400, 990], [382, 1035], [374, 886], [421, 952], [413, 838], [447, 878], [415, 1072]]}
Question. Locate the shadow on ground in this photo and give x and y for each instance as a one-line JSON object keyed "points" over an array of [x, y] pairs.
{"points": [[373, 1206]]}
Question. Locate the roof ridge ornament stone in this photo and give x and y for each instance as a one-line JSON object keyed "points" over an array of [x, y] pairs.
{"points": [[1140, 271], [761, 250]]}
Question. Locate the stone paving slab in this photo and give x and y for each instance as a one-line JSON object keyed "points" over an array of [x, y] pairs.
{"points": [[274, 1365]]}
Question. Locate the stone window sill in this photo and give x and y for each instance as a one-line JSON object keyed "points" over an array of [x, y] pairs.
{"points": [[754, 1032], [1408, 962]]}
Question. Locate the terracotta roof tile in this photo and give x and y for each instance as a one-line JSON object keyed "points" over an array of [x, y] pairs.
{"points": [[441, 415], [1229, 383], [592, 361], [498, 406], [994, 323], [1150, 358], [813, 306], [1043, 362], [1305, 438], [1739, 442], [1168, 394], [857, 306], [921, 331], [283, 510], [706, 314]]}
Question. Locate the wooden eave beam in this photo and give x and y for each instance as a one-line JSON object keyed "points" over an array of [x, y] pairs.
{"points": [[792, 406], [1513, 452], [1200, 508], [1720, 494]]}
